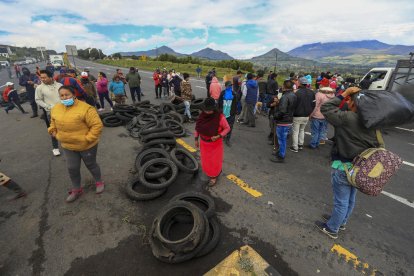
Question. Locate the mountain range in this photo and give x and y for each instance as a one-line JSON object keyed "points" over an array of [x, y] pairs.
{"points": [[365, 53]]}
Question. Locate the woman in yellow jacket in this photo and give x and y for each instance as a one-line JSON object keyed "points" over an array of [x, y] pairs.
{"points": [[77, 126]]}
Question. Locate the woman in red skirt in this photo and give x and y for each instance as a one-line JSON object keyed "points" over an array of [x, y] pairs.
{"points": [[211, 127]]}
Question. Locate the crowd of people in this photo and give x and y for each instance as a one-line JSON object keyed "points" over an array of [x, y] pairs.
{"points": [[71, 103]]}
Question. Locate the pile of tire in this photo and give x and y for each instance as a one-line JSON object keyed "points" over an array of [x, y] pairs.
{"points": [[193, 215], [120, 115], [158, 164], [195, 107]]}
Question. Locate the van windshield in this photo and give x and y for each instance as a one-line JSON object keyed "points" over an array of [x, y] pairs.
{"points": [[377, 75]]}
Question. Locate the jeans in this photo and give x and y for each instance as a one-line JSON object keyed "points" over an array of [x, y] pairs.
{"points": [[344, 200], [318, 128], [282, 135], [137, 91], [18, 74], [165, 91], [298, 137], [55, 143], [102, 97], [187, 110], [230, 121], [158, 91], [73, 162]]}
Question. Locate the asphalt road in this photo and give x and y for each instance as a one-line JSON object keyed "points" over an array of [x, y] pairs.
{"points": [[107, 234]]}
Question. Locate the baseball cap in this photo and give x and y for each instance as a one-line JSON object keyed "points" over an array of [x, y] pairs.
{"points": [[9, 83], [324, 82], [303, 80], [71, 71], [84, 75]]}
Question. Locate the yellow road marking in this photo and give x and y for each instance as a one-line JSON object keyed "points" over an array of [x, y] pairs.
{"points": [[185, 145], [244, 185], [353, 259]]}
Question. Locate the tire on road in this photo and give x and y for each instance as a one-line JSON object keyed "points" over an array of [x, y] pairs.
{"points": [[161, 153], [213, 239], [112, 121], [168, 179], [202, 201], [180, 163], [132, 193], [157, 135]]}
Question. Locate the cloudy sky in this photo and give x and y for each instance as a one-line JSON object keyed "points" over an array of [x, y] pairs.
{"points": [[241, 28]]}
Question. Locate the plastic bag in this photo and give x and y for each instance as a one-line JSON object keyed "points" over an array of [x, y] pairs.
{"points": [[379, 109]]}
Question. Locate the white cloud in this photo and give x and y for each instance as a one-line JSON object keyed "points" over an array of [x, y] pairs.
{"points": [[276, 25]]}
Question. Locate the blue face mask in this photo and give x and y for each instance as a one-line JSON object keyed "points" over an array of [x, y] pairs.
{"points": [[68, 102]]}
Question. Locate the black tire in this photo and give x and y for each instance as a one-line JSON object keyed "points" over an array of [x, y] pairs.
{"points": [[166, 255], [106, 114], [135, 195], [166, 107], [155, 175], [131, 124], [180, 164], [142, 103], [195, 113], [112, 121], [167, 182], [175, 127], [145, 118], [153, 128], [198, 103], [122, 117], [202, 201], [144, 152], [157, 135], [193, 239], [159, 141], [175, 116], [213, 239]]}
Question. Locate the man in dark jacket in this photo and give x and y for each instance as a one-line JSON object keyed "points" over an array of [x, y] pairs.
{"points": [[351, 138], [284, 118], [251, 91], [134, 80], [209, 78], [305, 106], [227, 103], [262, 83], [28, 80]]}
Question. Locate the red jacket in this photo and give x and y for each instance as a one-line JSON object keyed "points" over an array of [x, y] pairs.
{"points": [[6, 94], [157, 78]]}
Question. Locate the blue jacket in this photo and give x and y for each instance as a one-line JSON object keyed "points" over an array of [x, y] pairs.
{"points": [[117, 88], [252, 90], [29, 87]]}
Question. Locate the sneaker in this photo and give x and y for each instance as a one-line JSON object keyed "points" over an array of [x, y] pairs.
{"points": [[34, 116], [100, 187], [228, 143], [293, 149], [191, 121], [74, 194], [325, 229], [326, 217], [7, 111], [56, 152], [277, 159], [322, 142], [300, 147], [100, 109], [312, 148], [112, 109]]}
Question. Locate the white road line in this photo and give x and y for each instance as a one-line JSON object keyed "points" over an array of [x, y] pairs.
{"points": [[199, 86], [308, 133], [406, 129], [398, 198]]}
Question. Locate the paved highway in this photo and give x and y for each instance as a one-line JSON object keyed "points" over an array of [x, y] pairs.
{"points": [[107, 234]]}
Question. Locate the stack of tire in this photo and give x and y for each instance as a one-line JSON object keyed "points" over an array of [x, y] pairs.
{"points": [[121, 114], [192, 215], [195, 107], [158, 165]]}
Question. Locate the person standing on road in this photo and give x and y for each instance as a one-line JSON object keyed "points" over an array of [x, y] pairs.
{"points": [[8, 183], [187, 95], [10, 95], [176, 84], [215, 88], [17, 69], [211, 127], [118, 89], [262, 84], [157, 83], [164, 84], [351, 138], [283, 119], [90, 76], [237, 89], [78, 127], [103, 93], [305, 104], [251, 88], [90, 90], [70, 79], [134, 80], [198, 71], [29, 80], [228, 105], [318, 121], [209, 78], [47, 96]]}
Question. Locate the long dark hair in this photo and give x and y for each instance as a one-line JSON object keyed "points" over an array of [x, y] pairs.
{"points": [[102, 74]]}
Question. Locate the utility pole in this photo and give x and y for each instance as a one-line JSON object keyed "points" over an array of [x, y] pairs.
{"points": [[274, 70]]}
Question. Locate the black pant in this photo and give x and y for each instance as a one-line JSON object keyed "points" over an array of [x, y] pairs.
{"points": [[102, 97], [13, 104], [137, 91], [158, 91], [55, 143], [208, 90], [251, 120], [230, 121]]}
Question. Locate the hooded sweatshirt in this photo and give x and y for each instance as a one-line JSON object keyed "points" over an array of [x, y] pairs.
{"points": [[252, 92], [215, 88], [323, 95]]}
